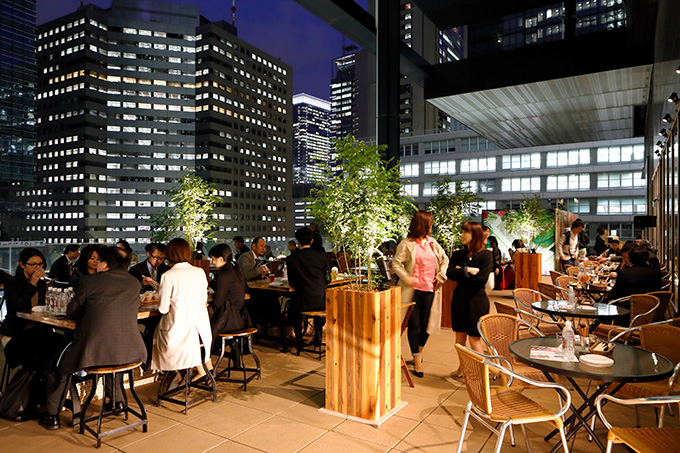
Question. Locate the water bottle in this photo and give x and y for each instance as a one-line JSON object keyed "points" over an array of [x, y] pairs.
{"points": [[49, 303], [571, 299], [568, 341]]}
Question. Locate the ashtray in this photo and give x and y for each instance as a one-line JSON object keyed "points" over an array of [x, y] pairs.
{"points": [[602, 348]]}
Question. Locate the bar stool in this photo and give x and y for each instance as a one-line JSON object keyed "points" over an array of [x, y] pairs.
{"points": [[165, 394], [317, 342], [112, 372], [236, 339]]}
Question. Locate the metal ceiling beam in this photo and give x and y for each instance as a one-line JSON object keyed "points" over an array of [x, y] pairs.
{"points": [[595, 52], [454, 13], [357, 24]]}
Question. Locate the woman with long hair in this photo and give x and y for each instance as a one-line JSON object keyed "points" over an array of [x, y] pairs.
{"points": [[470, 266], [86, 264], [497, 257], [230, 293], [421, 264], [185, 324]]}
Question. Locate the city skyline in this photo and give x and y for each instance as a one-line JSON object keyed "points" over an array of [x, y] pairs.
{"points": [[281, 28]]}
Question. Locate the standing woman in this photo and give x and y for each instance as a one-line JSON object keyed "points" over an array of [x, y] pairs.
{"points": [[183, 294], [86, 264], [470, 267], [497, 257], [421, 263], [229, 299]]}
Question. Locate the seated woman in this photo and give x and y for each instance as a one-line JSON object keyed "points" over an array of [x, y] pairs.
{"points": [[27, 343], [86, 264], [230, 293], [183, 294]]}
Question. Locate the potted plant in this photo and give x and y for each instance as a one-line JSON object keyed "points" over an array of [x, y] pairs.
{"points": [[530, 222], [362, 206], [359, 208]]}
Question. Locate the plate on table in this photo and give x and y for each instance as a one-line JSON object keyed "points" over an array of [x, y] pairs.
{"points": [[587, 308], [596, 360], [278, 284], [38, 309]]}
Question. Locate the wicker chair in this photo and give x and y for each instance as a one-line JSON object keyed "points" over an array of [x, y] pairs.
{"points": [[563, 281], [665, 284], [572, 271], [642, 309], [553, 276], [505, 309], [504, 405], [642, 440], [524, 297], [498, 331], [664, 301], [548, 289]]}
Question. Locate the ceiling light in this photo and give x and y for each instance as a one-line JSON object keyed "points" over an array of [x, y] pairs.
{"points": [[678, 70], [673, 97], [663, 133], [667, 118], [659, 144]]}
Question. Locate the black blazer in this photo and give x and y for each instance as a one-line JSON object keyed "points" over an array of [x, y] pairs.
{"points": [[229, 302], [18, 295], [106, 306], [470, 286], [141, 270], [308, 273], [636, 280], [317, 242], [60, 269]]}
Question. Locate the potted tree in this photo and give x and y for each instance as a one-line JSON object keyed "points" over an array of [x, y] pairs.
{"points": [[359, 208], [533, 224], [453, 205]]}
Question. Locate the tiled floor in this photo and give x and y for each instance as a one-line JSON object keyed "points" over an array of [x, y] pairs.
{"points": [[280, 414]]}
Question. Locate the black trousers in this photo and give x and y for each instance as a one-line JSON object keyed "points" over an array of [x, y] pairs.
{"points": [[57, 379], [417, 323]]}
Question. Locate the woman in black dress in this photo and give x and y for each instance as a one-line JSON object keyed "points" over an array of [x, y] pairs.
{"points": [[230, 294], [497, 257], [470, 267]]}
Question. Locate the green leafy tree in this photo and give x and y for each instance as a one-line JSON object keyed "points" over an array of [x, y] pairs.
{"points": [[164, 225], [362, 206], [453, 205], [531, 222]]}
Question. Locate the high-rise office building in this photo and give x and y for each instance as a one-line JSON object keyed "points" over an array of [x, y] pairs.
{"points": [[133, 97], [311, 141], [17, 92], [344, 100]]}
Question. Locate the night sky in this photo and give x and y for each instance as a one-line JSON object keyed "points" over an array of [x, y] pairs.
{"points": [[282, 28]]}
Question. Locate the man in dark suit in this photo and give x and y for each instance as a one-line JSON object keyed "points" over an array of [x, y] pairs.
{"points": [[149, 271], [308, 274], [637, 279], [250, 262], [317, 240], [239, 247], [106, 306], [62, 268]]}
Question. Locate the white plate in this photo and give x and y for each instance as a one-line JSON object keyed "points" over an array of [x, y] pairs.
{"points": [[38, 309], [596, 360], [588, 308]]}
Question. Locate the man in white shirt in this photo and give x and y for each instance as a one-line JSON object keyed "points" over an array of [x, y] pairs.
{"points": [[568, 245]]}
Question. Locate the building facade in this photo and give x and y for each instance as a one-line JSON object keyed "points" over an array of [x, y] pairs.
{"points": [[133, 97], [311, 138], [602, 182], [17, 93]]}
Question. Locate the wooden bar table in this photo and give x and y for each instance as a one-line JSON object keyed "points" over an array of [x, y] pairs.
{"points": [[145, 311]]}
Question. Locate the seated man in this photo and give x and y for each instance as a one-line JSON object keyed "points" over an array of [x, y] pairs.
{"points": [[150, 270], [308, 274], [106, 305], [249, 262], [613, 250], [637, 279], [62, 268], [239, 247]]}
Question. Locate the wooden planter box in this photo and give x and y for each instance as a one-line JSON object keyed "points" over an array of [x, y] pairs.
{"points": [[527, 270], [448, 288], [363, 354]]}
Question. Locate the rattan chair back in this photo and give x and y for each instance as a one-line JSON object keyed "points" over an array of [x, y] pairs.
{"points": [[476, 378], [553, 276], [642, 307], [665, 284], [505, 309], [572, 271], [524, 297], [563, 281], [663, 340], [499, 331], [548, 289], [664, 300]]}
